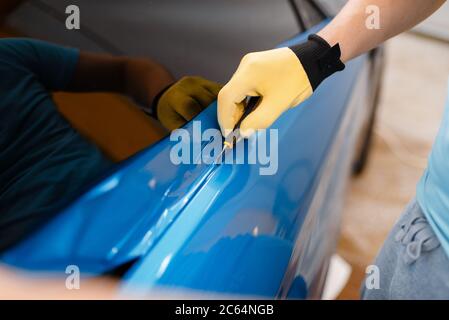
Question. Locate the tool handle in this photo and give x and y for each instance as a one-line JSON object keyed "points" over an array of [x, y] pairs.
{"points": [[251, 105]]}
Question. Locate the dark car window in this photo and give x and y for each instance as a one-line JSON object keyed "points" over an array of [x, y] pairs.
{"points": [[201, 37], [311, 12]]}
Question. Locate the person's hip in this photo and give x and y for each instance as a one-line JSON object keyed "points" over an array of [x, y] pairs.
{"points": [[411, 263]]}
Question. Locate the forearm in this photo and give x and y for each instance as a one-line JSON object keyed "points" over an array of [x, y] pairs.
{"points": [[141, 79], [349, 28], [144, 79]]}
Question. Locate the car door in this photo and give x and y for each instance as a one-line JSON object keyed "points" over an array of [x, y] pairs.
{"points": [[224, 228], [221, 228]]}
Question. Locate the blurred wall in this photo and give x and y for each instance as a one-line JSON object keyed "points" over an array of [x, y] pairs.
{"points": [[437, 25]]}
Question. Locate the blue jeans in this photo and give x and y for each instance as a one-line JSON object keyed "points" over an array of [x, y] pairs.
{"points": [[411, 263]]}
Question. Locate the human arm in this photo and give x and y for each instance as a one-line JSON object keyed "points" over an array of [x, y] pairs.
{"points": [[148, 83], [138, 78], [285, 77], [349, 28], [57, 68]]}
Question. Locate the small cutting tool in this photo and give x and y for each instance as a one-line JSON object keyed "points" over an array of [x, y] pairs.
{"points": [[250, 105]]}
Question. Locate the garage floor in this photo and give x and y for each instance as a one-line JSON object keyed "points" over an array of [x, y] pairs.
{"points": [[413, 97]]}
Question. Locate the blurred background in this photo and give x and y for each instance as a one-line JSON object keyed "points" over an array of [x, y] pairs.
{"points": [[413, 94], [414, 91]]}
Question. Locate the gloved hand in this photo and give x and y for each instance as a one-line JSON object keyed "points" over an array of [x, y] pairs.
{"points": [[283, 78], [182, 101]]}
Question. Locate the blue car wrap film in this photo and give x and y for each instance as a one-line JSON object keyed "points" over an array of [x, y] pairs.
{"points": [[222, 228]]}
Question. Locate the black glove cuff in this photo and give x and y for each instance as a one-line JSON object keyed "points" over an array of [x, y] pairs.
{"points": [[152, 110], [319, 59]]}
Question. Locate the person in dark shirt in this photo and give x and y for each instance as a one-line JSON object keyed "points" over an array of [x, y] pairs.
{"points": [[44, 162]]}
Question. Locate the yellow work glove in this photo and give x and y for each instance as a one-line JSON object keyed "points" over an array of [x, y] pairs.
{"points": [[283, 78], [183, 100]]}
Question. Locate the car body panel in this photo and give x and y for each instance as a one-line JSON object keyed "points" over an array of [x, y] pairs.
{"points": [[222, 228]]}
